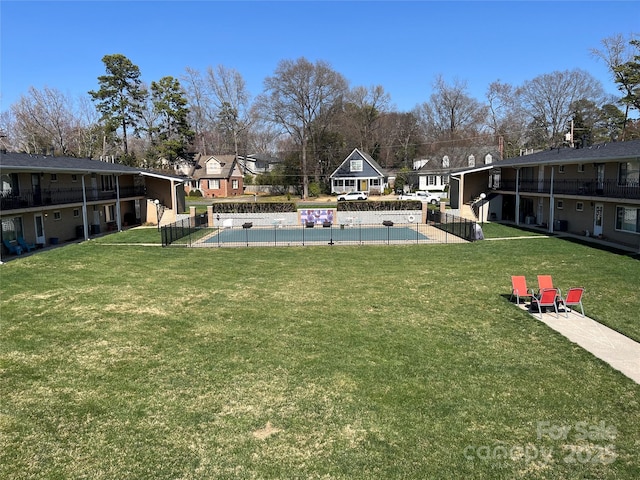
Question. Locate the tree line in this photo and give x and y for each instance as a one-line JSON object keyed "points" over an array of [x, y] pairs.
{"points": [[309, 116]]}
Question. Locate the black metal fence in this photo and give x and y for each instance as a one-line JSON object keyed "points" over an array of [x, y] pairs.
{"points": [[185, 229], [439, 228], [458, 226]]}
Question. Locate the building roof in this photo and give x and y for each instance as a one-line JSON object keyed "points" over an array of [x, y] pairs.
{"points": [[614, 151], [594, 153], [47, 163], [25, 162]]}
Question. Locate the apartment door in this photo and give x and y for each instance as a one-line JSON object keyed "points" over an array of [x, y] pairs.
{"points": [[597, 219], [600, 179], [39, 224], [35, 188]]}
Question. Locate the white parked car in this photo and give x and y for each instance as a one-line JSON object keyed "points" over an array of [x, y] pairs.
{"points": [[352, 196], [428, 197]]}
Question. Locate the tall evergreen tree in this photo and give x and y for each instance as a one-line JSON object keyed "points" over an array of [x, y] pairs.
{"points": [[174, 132], [628, 78], [121, 95]]}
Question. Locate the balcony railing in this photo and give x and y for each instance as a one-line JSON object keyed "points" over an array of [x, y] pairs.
{"points": [[45, 197], [588, 188]]}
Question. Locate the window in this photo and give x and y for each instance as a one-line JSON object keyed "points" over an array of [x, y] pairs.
{"points": [[11, 228], [57, 215], [213, 167], [74, 177], [234, 184], [560, 168], [110, 213], [431, 179], [629, 173], [338, 183], [579, 206], [375, 182], [355, 166], [628, 219], [106, 183], [349, 183], [214, 184], [54, 177], [9, 183], [76, 212], [560, 204], [581, 168]]}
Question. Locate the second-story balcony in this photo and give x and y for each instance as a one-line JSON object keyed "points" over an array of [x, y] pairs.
{"points": [[52, 197], [588, 188]]}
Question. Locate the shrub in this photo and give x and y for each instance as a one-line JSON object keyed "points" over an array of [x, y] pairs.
{"points": [[314, 189]]}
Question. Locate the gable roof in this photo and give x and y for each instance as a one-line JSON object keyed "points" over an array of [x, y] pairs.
{"points": [[227, 166], [344, 169]]}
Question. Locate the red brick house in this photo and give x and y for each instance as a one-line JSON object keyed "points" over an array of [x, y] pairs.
{"points": [[216, 176]]}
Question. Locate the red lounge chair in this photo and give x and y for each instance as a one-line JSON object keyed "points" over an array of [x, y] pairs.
{"points": [[519, 288], [574, 297], [545, 281], [548, 298]]}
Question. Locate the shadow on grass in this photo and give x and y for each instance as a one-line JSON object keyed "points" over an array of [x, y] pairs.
{"points": [[600, 246]]}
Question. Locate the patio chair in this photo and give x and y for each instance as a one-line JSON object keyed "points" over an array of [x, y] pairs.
{"points": [[573, 298], [545, 281], [548, 298], [519, 288], [15, 249], [26, 246]]}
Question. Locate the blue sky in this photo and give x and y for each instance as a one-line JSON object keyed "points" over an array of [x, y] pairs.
{"points": [[402, 46]]}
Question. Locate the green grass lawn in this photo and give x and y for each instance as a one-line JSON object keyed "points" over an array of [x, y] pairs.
{"points": [[121, 361], [498, 230]]}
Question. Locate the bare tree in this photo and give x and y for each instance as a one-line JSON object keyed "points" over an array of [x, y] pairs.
{"points": [[548, 101], [451, 113], [231, 100], [400, 139], [44, 120], [362, 111], [298, 94], [87, 133], [505, 118], [201, 112]]}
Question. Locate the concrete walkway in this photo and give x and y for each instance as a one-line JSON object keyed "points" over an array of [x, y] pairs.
{"points": [[619, 351]]}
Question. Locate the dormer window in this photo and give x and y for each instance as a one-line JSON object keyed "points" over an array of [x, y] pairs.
{"points": [[213, 167]]}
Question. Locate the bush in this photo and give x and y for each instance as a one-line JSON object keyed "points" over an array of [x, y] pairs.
{"points": [[195, 193], [314, 189]]}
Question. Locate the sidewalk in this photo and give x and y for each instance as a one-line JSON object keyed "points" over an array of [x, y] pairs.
{"points": [[619, 351]]}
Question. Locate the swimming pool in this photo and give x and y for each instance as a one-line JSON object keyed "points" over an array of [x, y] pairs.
{"points": [[333, 235]]}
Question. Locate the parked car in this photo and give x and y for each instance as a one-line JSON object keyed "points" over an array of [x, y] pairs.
{"points": [[428, 197], [352, 196]]}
